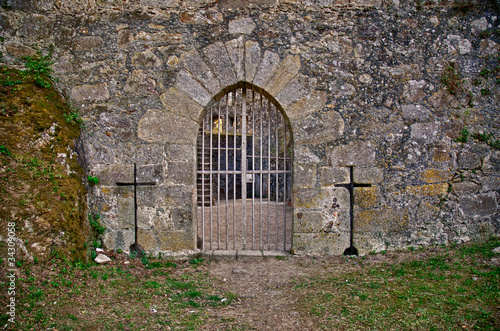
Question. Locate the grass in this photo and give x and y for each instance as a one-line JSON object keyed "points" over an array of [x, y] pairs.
{"points": [[443, 288], [68, 296], [452, 289]]}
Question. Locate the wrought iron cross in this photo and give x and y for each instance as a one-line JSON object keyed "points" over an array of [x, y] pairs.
{"points": [[135, 184], [351, 250]]}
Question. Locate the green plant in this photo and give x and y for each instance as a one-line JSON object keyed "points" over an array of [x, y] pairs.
{"points": [[95, 224], [484, 73], [464, 136], [38, 66], [485, 91], [483, 136], [73, 116], [93, 180], [5, 151], [495, 144], [451, 79]]}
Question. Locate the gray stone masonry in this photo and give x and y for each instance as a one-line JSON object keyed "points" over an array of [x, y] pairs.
{"points": [[402, 91]]}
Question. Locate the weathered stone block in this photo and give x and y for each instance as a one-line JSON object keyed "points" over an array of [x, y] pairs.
{"points": [[415, 112], [469, 160], [285, 72], [325, 127], [383, 219], [125, 37], [165, 196], [300, 86], [193, 62], [177, 102], [356, 153], [366, 197], [308, 105], [220, 63], [268, 65], [428, 190], [155, 219], [110, 174], [146, 59], [176, 241], [436, 175], [427, 212], [334, 175], [304, 175], [303, 154], [464, 188], [243, 25], [139, 83], [329, 199], [236, 51], [320, 243], [162, 126], [19, 50], [119, 239], [368, 175], [424, 131], [147, 239], [252, 60], [88, 43], [414, 90], [482, 205], [180, 173], [126, 211], [307, 222], [90, 93], [190, 86], [177, 152]]}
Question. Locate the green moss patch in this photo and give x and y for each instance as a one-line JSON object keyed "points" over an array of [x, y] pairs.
{"points": [[41, 180]]}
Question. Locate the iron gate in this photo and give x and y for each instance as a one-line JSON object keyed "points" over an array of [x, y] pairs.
{"points": [[244, 174]]}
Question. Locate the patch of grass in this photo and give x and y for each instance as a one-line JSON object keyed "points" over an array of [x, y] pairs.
{"points": [[436, 292]]}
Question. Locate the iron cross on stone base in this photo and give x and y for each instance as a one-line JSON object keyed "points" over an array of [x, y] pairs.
{"points": [[351, 250], [136, 248]]}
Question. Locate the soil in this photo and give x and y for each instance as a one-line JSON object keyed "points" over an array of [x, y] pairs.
{"points": [[264, 288]]}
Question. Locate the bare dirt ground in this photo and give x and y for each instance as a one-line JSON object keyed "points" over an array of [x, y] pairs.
{"points": [[266, 300]]}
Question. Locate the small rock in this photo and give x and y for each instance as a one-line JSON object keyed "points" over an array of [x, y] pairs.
{"points": [[102, 259], [99, 250], [496, 250], [495, 261], [239, 270]]}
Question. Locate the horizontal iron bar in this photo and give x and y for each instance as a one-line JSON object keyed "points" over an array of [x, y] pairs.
{"points": [[230, 172]]}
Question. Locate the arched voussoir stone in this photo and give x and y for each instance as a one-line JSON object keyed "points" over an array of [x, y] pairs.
{"points": [[177, 102]]}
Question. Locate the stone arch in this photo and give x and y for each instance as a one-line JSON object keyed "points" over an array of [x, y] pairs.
{"points": [[220, 66]]}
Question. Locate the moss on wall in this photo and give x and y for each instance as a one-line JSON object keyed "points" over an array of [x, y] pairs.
{"points": [[40, 178]]}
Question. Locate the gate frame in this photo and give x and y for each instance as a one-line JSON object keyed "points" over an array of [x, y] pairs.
{"points": [[216, 98]]}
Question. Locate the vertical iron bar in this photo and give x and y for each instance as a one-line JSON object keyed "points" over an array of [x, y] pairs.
{"points": [[252, 110], [227, 168], [244, 167], [235, 129], [284, 185], [218, 173], [261, 177], [211, 170], [269, 175], [277, 175], [203, 184]]}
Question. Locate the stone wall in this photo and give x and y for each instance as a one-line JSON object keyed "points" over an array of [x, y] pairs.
{"points": [[406, 93]]}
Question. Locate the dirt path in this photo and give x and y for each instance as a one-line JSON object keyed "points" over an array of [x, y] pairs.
{"points": [[263, 286]]}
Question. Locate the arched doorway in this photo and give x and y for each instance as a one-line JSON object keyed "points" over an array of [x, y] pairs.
{"points": [[244, 173]]}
